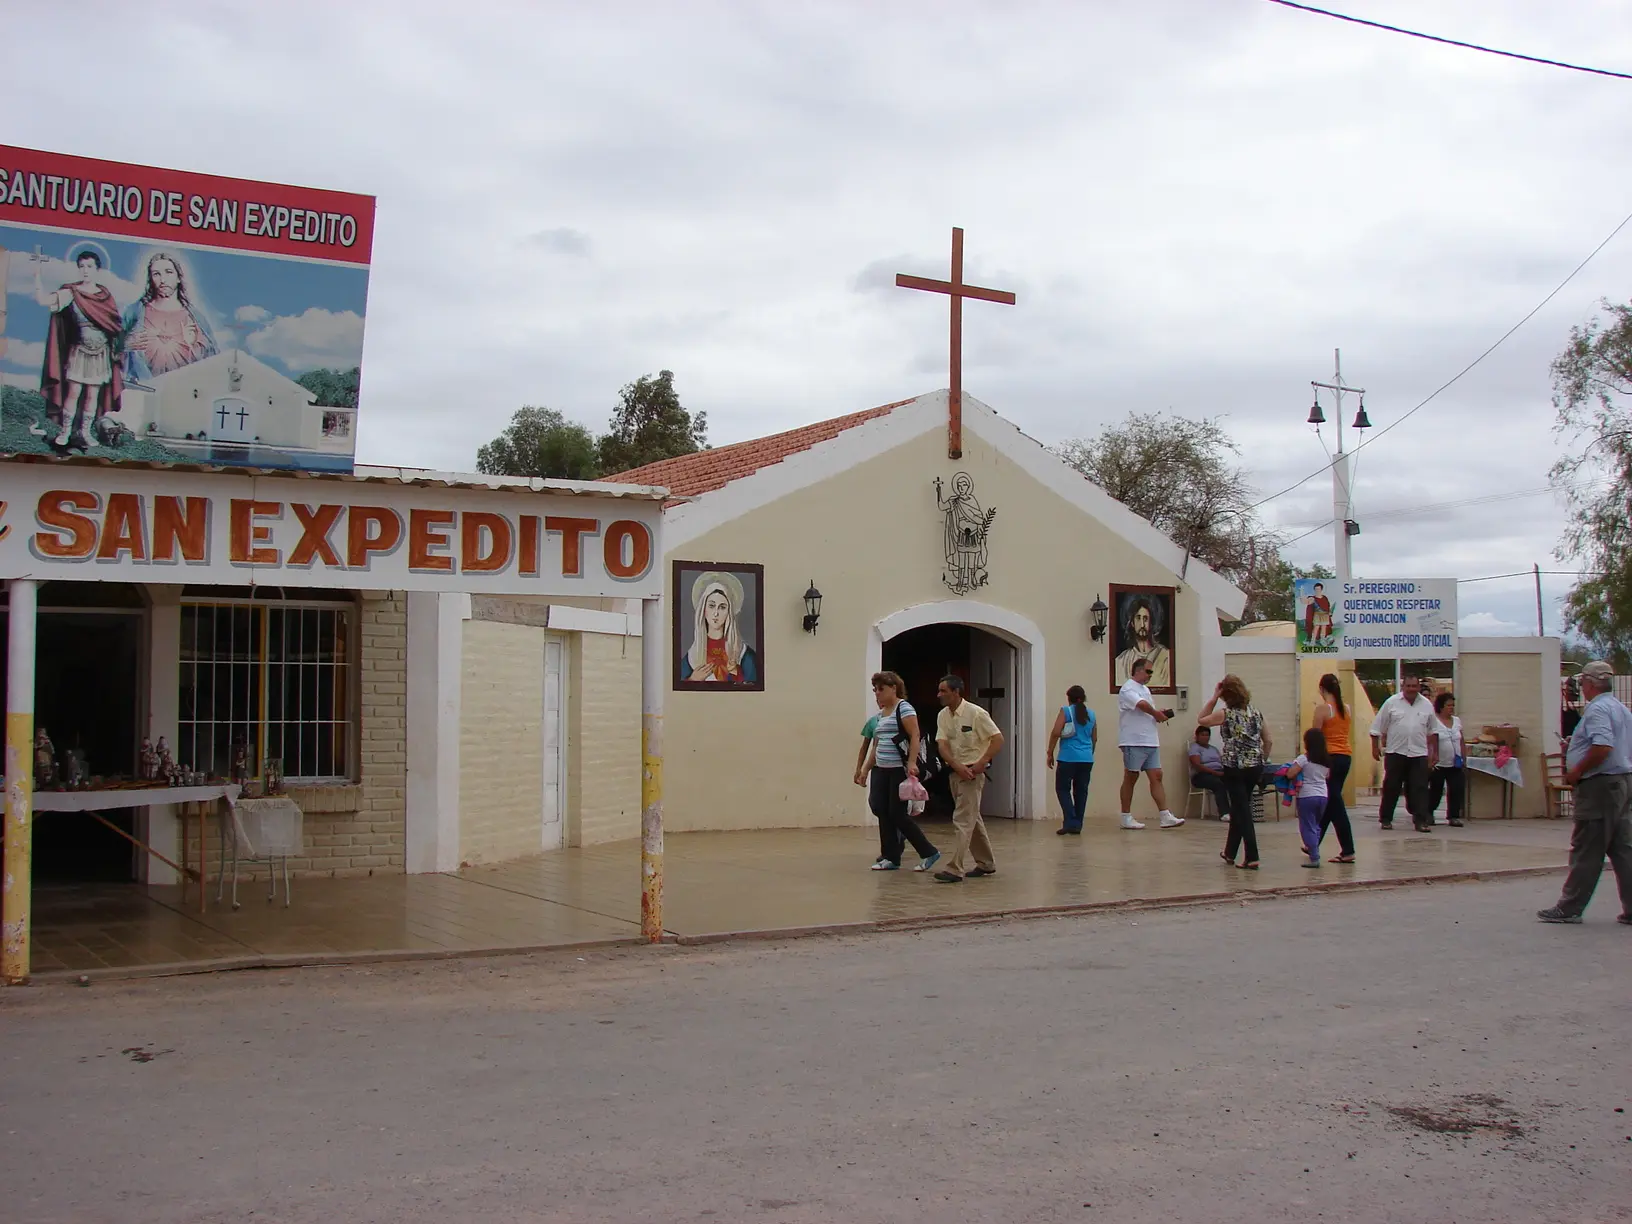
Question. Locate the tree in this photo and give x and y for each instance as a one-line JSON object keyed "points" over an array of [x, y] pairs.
{"points": [[541, 442], [649, 424], [1177, 473], [1269, 588], [1591, 379], [333, 388]]}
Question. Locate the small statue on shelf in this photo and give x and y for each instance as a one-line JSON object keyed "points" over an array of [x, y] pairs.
{"points": [[45, 761], [166, 765], [274, 776], [240, 760], [147, 762], [77, 771]]}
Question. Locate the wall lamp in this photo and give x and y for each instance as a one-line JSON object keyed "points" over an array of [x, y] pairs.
{"points": [[1101, 614], [813, 607]]}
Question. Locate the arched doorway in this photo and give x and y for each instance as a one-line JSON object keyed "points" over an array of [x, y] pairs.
{"points": [[999, 654]]}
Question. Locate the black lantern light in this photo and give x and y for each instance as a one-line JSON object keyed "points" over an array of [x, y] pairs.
{"points": [[813, 607], [1101, 613], [1316, 416]]}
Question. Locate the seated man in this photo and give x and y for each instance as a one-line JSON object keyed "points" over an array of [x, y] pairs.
{"points": [[1207, 770]]}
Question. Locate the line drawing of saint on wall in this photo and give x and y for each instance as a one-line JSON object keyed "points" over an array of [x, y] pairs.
{"points": [[965, 529], [1144, 630], [718, 625], [80, 380], [164, 329]]}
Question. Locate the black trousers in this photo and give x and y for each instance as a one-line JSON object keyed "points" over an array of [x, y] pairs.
{"points": [[1408, 774], [1239, 783], [895, 825], [1336, 815], [1214, 785], [1446, 781]]}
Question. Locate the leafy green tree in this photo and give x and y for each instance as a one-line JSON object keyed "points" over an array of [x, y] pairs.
{"points": [[1178, 473], [333, 388], [1591, 379], [541, 442], [649, 424], [1269, 588]]}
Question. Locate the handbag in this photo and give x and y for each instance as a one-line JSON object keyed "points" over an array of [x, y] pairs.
{"points": [[1070, 724], [927, 765]]}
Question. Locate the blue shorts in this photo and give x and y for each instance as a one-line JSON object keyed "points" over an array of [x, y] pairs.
{"points": [[1138, 758]]}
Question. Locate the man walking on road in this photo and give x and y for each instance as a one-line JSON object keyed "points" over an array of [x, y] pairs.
{"points": [[968, 740], [1404, 737], [1599, 767], [1141, 746]]}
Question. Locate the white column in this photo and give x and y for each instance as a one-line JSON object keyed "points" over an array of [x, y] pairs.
{"points": [[162, 830], [436, 630], [1342, 511], [17, 885]]}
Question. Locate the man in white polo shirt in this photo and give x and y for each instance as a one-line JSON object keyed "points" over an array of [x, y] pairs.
{"points": [[1405, 737], [1141, 745]]}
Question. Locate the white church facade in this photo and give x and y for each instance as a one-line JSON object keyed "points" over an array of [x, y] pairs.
{"points": [[987, 566]]}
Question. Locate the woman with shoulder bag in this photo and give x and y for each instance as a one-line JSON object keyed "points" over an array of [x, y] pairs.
{"points": [[1245, 748], [1071, 743], [1331, 719], [893, 759]]}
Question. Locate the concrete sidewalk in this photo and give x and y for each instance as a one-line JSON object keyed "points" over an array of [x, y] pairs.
{"points": [[721, 884]]}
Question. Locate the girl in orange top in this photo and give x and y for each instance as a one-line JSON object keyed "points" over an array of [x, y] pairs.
{"points": [[1331, 718]]}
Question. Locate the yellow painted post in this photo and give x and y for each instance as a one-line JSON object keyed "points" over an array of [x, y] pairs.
{"points": [[651, 771], [18, 875]]}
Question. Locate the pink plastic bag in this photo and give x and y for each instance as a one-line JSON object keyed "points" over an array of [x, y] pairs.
{"points": [[1504, 754], [912, 790]]}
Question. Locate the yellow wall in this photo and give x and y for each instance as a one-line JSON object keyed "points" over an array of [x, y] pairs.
{"points": [[1509, 688], [871, 538], [603, 739], [501, 742]]}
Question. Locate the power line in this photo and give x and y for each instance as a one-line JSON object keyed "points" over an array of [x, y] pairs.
{"points": [[1530, 573], [1415, 511], [1452, 42], [1559, 288]]}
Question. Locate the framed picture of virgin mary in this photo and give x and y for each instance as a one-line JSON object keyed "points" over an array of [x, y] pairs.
{"points": [[719, 626]]}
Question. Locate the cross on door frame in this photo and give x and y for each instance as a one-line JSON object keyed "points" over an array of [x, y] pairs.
{"points": [[957, 291]]}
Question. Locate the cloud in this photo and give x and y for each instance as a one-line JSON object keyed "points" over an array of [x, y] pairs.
{"points": [[561, 241], [1487, 624], [29, 354], [307, 341], [251, 314]]}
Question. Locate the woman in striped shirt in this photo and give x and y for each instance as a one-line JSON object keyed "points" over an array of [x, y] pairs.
{"points": [[894, 756]]}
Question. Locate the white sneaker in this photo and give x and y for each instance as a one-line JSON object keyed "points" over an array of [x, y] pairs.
{"points": [[1170, 821], [1128, 822]]}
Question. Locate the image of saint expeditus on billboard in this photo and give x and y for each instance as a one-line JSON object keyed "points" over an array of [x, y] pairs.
{"points": [[170, 317]]}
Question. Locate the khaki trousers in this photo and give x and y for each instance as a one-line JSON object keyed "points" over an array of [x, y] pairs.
{"points": [[971, 829], [1603, 825]]}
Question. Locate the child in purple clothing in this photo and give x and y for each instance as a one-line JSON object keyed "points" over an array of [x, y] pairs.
{"points": [[1312, 768]]}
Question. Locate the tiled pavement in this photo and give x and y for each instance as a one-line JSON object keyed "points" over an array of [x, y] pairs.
{"points": [[719, 883]]}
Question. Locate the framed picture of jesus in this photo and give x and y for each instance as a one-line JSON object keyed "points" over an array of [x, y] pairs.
{"points": [[1142, 628], [719, 626]]}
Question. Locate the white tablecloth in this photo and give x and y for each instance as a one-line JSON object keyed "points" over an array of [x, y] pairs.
{"points": [[1487, 765], [148, 796], [267, 828]]}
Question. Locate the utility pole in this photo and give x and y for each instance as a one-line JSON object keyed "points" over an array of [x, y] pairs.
{"points": [[1344, 527], [1541, 630]]}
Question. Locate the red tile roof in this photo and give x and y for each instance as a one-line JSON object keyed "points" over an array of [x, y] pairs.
{"points": [[705, 471]]}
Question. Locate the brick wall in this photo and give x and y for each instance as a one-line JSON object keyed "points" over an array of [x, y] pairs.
{"points": [[360, 828], [501, 742], [603, 748], [1503, 688]]}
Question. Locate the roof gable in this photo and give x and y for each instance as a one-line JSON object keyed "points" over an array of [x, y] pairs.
{"points": [[707, 470], [756, 473]]}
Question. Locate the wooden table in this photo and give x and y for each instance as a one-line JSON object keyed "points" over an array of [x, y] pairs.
{"points": [[151, 796]]}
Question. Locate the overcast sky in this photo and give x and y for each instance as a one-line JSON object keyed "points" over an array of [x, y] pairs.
{"points": [[1196, 201]]}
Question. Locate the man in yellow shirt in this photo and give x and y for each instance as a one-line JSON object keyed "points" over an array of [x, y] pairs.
{"points": [[968, 740]]}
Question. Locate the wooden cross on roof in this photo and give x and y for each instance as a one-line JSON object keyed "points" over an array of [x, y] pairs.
{"points": [[957, 291]]}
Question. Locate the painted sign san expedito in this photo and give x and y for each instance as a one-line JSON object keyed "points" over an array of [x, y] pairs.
{"points": [[73, 523], [172, 317], [1376, 618]]}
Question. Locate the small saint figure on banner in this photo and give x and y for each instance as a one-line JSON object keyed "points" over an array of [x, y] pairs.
{"points": [[967, 526]]}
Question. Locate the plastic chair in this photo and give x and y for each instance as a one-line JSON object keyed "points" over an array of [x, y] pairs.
{"points": [[1207, 802]]}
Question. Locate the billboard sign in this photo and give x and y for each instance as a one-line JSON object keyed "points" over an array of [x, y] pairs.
{"points": [[1365, 618], [171, 317]]}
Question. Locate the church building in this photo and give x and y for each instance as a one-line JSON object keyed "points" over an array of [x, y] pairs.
{"points": [[799, 564]]}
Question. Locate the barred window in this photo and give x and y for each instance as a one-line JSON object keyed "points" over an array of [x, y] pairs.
{"points": [[277, 675]]}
